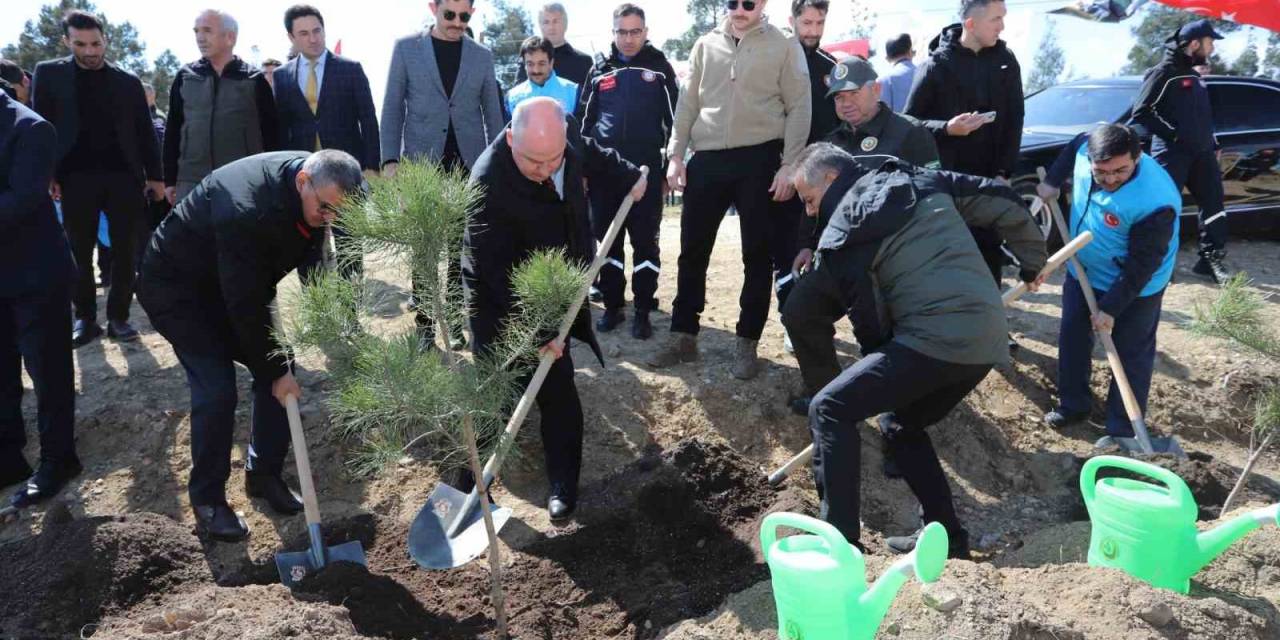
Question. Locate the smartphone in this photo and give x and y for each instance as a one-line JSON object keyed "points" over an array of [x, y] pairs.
{"points": [[988, 117]]}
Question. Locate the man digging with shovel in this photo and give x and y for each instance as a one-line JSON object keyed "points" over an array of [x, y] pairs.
{"points": [[208, 282], [534, 199], [896, 257]]}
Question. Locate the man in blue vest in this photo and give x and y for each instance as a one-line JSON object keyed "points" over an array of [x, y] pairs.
{"points": [[1131, 205], [537, 56]]}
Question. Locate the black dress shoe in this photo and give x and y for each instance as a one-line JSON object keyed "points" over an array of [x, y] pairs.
{"points": [[1211, 265], [122, 331], [641, 329], [219, 522], [1061, 419], [273, 489], [13, 468], [46, 482], [800, 405], [610, 320], [560, 507], [84, 332]]}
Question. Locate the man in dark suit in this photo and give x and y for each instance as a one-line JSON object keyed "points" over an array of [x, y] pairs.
{"points": [[533, 177], [107, 156], [34, 295], [324, 102]]}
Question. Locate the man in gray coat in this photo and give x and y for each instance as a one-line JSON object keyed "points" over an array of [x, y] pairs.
{"points": [[441, 104]]}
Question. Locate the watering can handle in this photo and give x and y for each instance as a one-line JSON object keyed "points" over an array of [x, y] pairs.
{"points": [[841, 551], [1176, 486]]}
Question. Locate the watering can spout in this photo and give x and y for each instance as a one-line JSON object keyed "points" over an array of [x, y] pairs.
{"points": [[1210, 544], [926, 562]]}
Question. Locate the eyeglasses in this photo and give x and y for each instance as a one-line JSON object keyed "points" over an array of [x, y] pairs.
{"points": [[450, 15], [747, 5], [325, 207], [628, 33]]}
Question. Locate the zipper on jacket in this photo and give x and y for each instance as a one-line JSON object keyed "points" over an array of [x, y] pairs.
{"points": [[213, 111]]}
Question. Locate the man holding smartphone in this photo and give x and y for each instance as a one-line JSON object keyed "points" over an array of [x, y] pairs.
{"points": [[969, 94]]}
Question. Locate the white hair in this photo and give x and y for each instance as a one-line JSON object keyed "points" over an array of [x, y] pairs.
{"points": [[228, 23], [554, 7], [520, 118], [821, 159]]}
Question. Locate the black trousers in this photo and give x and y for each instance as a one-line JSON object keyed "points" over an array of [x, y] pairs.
{"points": [[1201, 175], [989, 242], [809, 313], [200, 331], [119, 195], [642, 225], [919, 391], [717, 180], [786, 217], [562, 429], [35, 330]]}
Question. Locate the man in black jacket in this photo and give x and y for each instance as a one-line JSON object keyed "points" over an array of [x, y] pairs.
{"points": [[34, 295], [208, 281], [629, 104], [107, 156], [969, 94], [534, 199], [1173, 110]]}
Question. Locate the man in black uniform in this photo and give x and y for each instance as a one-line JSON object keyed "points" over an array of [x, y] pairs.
{"points": [[872, 132], [208, 282], [808, 22], [628, 104], [34, 298], [969, 95], [1173, 109], [534, 199]]}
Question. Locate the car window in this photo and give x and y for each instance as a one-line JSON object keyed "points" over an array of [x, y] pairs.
{"points": [[1244, 107], [1073, 109]]}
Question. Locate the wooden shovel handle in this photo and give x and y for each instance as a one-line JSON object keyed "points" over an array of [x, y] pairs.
{"points": [[304, 461]]}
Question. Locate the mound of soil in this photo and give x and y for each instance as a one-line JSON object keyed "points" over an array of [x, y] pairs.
{"points": [[666, 538], [217, 613], [77, 571], [1210, 481]]}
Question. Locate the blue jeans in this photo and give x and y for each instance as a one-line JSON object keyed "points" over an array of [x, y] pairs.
{"points": [[1134, 335]]}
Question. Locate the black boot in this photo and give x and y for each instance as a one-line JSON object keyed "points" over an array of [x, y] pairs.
{"points": [[609, 320], [1212, 266], [47, 481], [641, 329], [800, 405], [219, 522], [273, 489], [122, 331], [84, 332], [957, 544]]}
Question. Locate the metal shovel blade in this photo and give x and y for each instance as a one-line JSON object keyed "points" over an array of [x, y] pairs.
{"points": [[294, 566], [1133, 445], [429, 543]]}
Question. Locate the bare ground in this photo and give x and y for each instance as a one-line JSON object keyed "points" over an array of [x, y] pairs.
{"points": [[1015, 483]]}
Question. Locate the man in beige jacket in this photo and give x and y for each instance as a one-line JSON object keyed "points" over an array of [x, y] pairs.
{"points": [[745, 117]]}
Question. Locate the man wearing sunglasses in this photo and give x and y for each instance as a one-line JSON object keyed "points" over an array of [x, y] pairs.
{"points": [[441, 104], [1131, 205], [745, 117], [208, 282]]}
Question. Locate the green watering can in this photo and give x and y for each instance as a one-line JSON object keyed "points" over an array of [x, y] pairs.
{"points": [[819, 581], [1149, 530]]}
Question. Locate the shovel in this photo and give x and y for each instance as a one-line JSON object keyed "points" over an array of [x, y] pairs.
{"points": [[1051, 265], [1143, 443], [296, 565], [449, 531]]}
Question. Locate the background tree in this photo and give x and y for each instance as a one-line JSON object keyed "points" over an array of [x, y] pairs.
{"points": [[1237, 315], [864, 23], [1050, 60], [161, 77], [1271, 60], [1248, 62], [503, 36], [1158, 23], [706, 15]]}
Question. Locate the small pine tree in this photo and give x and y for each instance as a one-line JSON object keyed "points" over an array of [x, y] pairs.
{"points": [[395, 396]]}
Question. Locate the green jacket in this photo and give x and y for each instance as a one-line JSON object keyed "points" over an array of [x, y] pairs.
{"points": [[909, 271]]}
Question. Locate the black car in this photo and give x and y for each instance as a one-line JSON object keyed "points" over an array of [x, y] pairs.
{"points": [[1246, 117]]}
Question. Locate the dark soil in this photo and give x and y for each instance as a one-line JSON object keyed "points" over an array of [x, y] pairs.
{"points": [[77, 571], [667, 538], [1210, 481]]}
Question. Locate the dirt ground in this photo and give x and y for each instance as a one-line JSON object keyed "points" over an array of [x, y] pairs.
{"points": [[665, 543]]}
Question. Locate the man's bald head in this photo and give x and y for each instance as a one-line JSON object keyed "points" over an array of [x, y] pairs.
{"points": [[537, 138]]}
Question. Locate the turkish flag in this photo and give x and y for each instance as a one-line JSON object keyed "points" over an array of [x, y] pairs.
{"points": [[1260, 13]]}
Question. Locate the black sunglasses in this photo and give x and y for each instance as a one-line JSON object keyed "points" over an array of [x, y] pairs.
{"points": [[464, 16], [747, 5]]}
